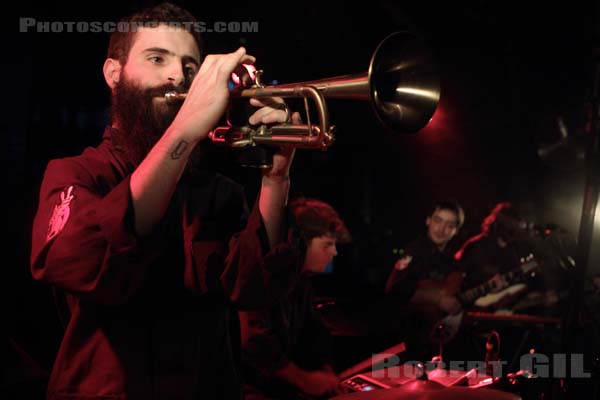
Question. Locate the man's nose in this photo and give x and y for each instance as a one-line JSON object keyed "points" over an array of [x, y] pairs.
{"points": [[176, 75]]}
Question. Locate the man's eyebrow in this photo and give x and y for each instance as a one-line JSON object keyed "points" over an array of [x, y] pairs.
{"points": [[160, 50], [191, 59], [444, 220]]}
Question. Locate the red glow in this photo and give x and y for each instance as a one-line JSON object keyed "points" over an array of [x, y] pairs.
{"points": [[437, 120], [441, 127]]}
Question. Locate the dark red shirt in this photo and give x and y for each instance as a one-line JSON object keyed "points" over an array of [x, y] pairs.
{"points": [[149, 315]]}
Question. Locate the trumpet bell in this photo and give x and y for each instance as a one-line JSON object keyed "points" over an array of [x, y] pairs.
{"points": [[404, 82]]}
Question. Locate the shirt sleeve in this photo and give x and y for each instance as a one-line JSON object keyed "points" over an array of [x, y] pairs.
{"points": [[84, 241], [402, 281], [263, 346], [254, 276]]}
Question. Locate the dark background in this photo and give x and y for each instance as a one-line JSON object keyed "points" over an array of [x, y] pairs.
{"points": [[509, 72]]}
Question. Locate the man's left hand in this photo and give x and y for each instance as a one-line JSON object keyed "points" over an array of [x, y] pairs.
{"points": [[271, 112]]}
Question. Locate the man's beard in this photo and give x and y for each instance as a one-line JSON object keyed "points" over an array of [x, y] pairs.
{"points": [[139, 122]]}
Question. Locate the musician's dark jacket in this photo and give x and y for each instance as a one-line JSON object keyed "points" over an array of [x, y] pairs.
{"points": [[290, 331], [149, 315], [481, 258]]}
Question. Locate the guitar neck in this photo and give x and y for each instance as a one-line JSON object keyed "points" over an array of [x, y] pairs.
{"points": [[473, 294]]}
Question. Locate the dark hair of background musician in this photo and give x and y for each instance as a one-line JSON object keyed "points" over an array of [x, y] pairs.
{"points": [[316, 218]]}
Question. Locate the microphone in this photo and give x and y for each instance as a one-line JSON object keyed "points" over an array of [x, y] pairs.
{"points": [[492, 352]]}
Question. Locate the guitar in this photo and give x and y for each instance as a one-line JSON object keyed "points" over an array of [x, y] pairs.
{"points": [[481, 296]]}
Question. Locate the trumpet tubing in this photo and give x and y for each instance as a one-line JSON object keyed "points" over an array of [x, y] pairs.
{"points": [[401, 84]]}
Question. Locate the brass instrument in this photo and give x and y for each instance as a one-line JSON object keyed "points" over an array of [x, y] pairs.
{"points": [[402, 85]]}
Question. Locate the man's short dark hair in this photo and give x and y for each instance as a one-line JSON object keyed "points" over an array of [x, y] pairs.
{"points": [[169, 14], [453, 206], [316, 218]]}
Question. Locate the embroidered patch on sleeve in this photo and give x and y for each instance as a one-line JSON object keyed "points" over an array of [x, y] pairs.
{"points": [[60, 214], [402, 263]]}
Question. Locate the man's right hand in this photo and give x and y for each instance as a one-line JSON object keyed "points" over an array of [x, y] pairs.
{"points": [[320, 383], [208, 96]]}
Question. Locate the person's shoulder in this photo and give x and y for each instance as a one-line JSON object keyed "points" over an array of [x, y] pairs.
{"points": [[418, 245], [404, 255], [92, 161], [71, 164]]}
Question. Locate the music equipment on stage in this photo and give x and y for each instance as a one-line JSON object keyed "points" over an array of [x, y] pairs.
{"points": [[480, 296], [512, 318], [363, 383], [374, 361], [401, 83], [415, 384]]}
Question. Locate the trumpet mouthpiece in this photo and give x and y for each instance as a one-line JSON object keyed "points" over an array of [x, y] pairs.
{"points": [[173, 96]]}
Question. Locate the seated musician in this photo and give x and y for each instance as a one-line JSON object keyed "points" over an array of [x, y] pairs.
{"points": [[286, 348], [426, 277]]}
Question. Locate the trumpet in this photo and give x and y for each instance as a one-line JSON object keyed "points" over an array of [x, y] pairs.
{"points": [[401, 84]]}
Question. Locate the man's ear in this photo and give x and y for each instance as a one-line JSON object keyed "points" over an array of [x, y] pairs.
{"points": [[427, 221], [112, 72]]}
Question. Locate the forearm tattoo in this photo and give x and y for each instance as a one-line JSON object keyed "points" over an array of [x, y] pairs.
{"points": [[178, 152]]}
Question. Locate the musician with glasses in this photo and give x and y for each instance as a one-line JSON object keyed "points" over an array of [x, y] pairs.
{"points": [[150, 245]]}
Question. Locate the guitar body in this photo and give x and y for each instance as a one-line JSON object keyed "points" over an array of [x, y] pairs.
{"points": [[447, 328], [443, 327], [451, 285]]}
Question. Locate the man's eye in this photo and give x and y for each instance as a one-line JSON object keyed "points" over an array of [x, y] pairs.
{"points": [[156, 59], [190, 71]]}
